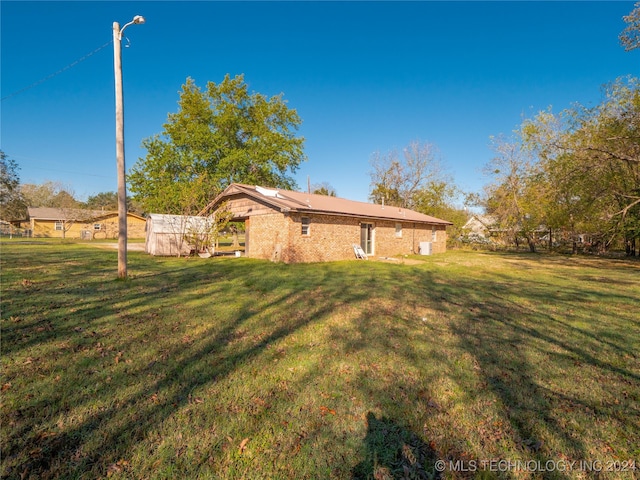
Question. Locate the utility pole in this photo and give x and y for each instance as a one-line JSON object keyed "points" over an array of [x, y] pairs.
{"points": [[122, 182]]}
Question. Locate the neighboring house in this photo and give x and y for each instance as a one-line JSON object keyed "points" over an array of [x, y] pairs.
{"points": [[175, 235], [78, 223], [299, 227], [480, 225]]}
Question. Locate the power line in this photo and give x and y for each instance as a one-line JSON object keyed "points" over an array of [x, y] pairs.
{"points": [[75, 172], [55, 74]]}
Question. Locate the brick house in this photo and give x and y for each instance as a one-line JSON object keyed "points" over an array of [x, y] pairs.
{"points": [[79, 223], [299, 227]]}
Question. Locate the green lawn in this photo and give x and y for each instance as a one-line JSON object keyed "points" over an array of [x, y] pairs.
{"points": [[237, 368]]}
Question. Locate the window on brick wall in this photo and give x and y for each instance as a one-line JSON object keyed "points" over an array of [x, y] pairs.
{"points": [[433, 235], [306, 222], [398, 230]]}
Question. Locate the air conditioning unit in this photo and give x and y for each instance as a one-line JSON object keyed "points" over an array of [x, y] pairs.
{"points": [[425, 248]]}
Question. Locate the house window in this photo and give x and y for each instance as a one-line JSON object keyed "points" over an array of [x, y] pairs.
{"points": [[398, 230], [58, 226], [97, 226], [306, 221], [433, 235]]}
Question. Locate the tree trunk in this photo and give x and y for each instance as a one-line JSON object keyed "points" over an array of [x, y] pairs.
{"points": [[234, 236], [532, 245]]}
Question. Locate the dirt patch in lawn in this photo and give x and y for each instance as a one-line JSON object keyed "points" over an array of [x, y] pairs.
{"points": [[399, 261]]}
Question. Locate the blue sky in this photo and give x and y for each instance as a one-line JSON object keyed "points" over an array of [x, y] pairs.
{"points": [[364, 77]]}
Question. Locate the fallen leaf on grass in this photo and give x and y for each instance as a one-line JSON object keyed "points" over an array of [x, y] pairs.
{"points": [[6, 386], [261, 402], [116, 467], [43, 435], [325, 410], [243, 445]]}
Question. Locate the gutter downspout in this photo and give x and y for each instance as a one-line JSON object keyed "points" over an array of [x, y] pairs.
{"points": [[413, 240]]}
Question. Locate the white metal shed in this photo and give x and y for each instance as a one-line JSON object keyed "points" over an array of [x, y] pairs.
{"points": [[167, 235]]}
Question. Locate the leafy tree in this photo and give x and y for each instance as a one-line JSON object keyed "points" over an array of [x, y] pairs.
{"points": [[323, 188], [630, 36], [416, 180], [64, 199], [103, 200], [108, 201], [397, 180], [439, 199], [590, 158], [219, 136], [204, 236], [49, 194], [513, 197], [558, 195], [12, 204]]}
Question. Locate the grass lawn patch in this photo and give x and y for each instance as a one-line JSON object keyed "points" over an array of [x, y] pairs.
{"points": [[238, 368]]}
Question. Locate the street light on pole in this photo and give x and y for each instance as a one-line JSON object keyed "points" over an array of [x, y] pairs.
{"points": [[122, 186]]}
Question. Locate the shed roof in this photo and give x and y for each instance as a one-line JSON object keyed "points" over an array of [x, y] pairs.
{"points": [[289, 201], [166, 223]]}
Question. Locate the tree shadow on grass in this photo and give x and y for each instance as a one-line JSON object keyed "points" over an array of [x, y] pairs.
{"points": [[523, 351], [392, 451], [488, 345], [122, 394]]}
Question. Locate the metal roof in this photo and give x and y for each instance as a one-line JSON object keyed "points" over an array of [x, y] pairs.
{"points": [[288, 201], [165, 223]]}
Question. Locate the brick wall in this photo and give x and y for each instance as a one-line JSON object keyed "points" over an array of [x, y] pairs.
{"points": [[268, 236], [400, 238], [279, 237], [330, 238]]}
